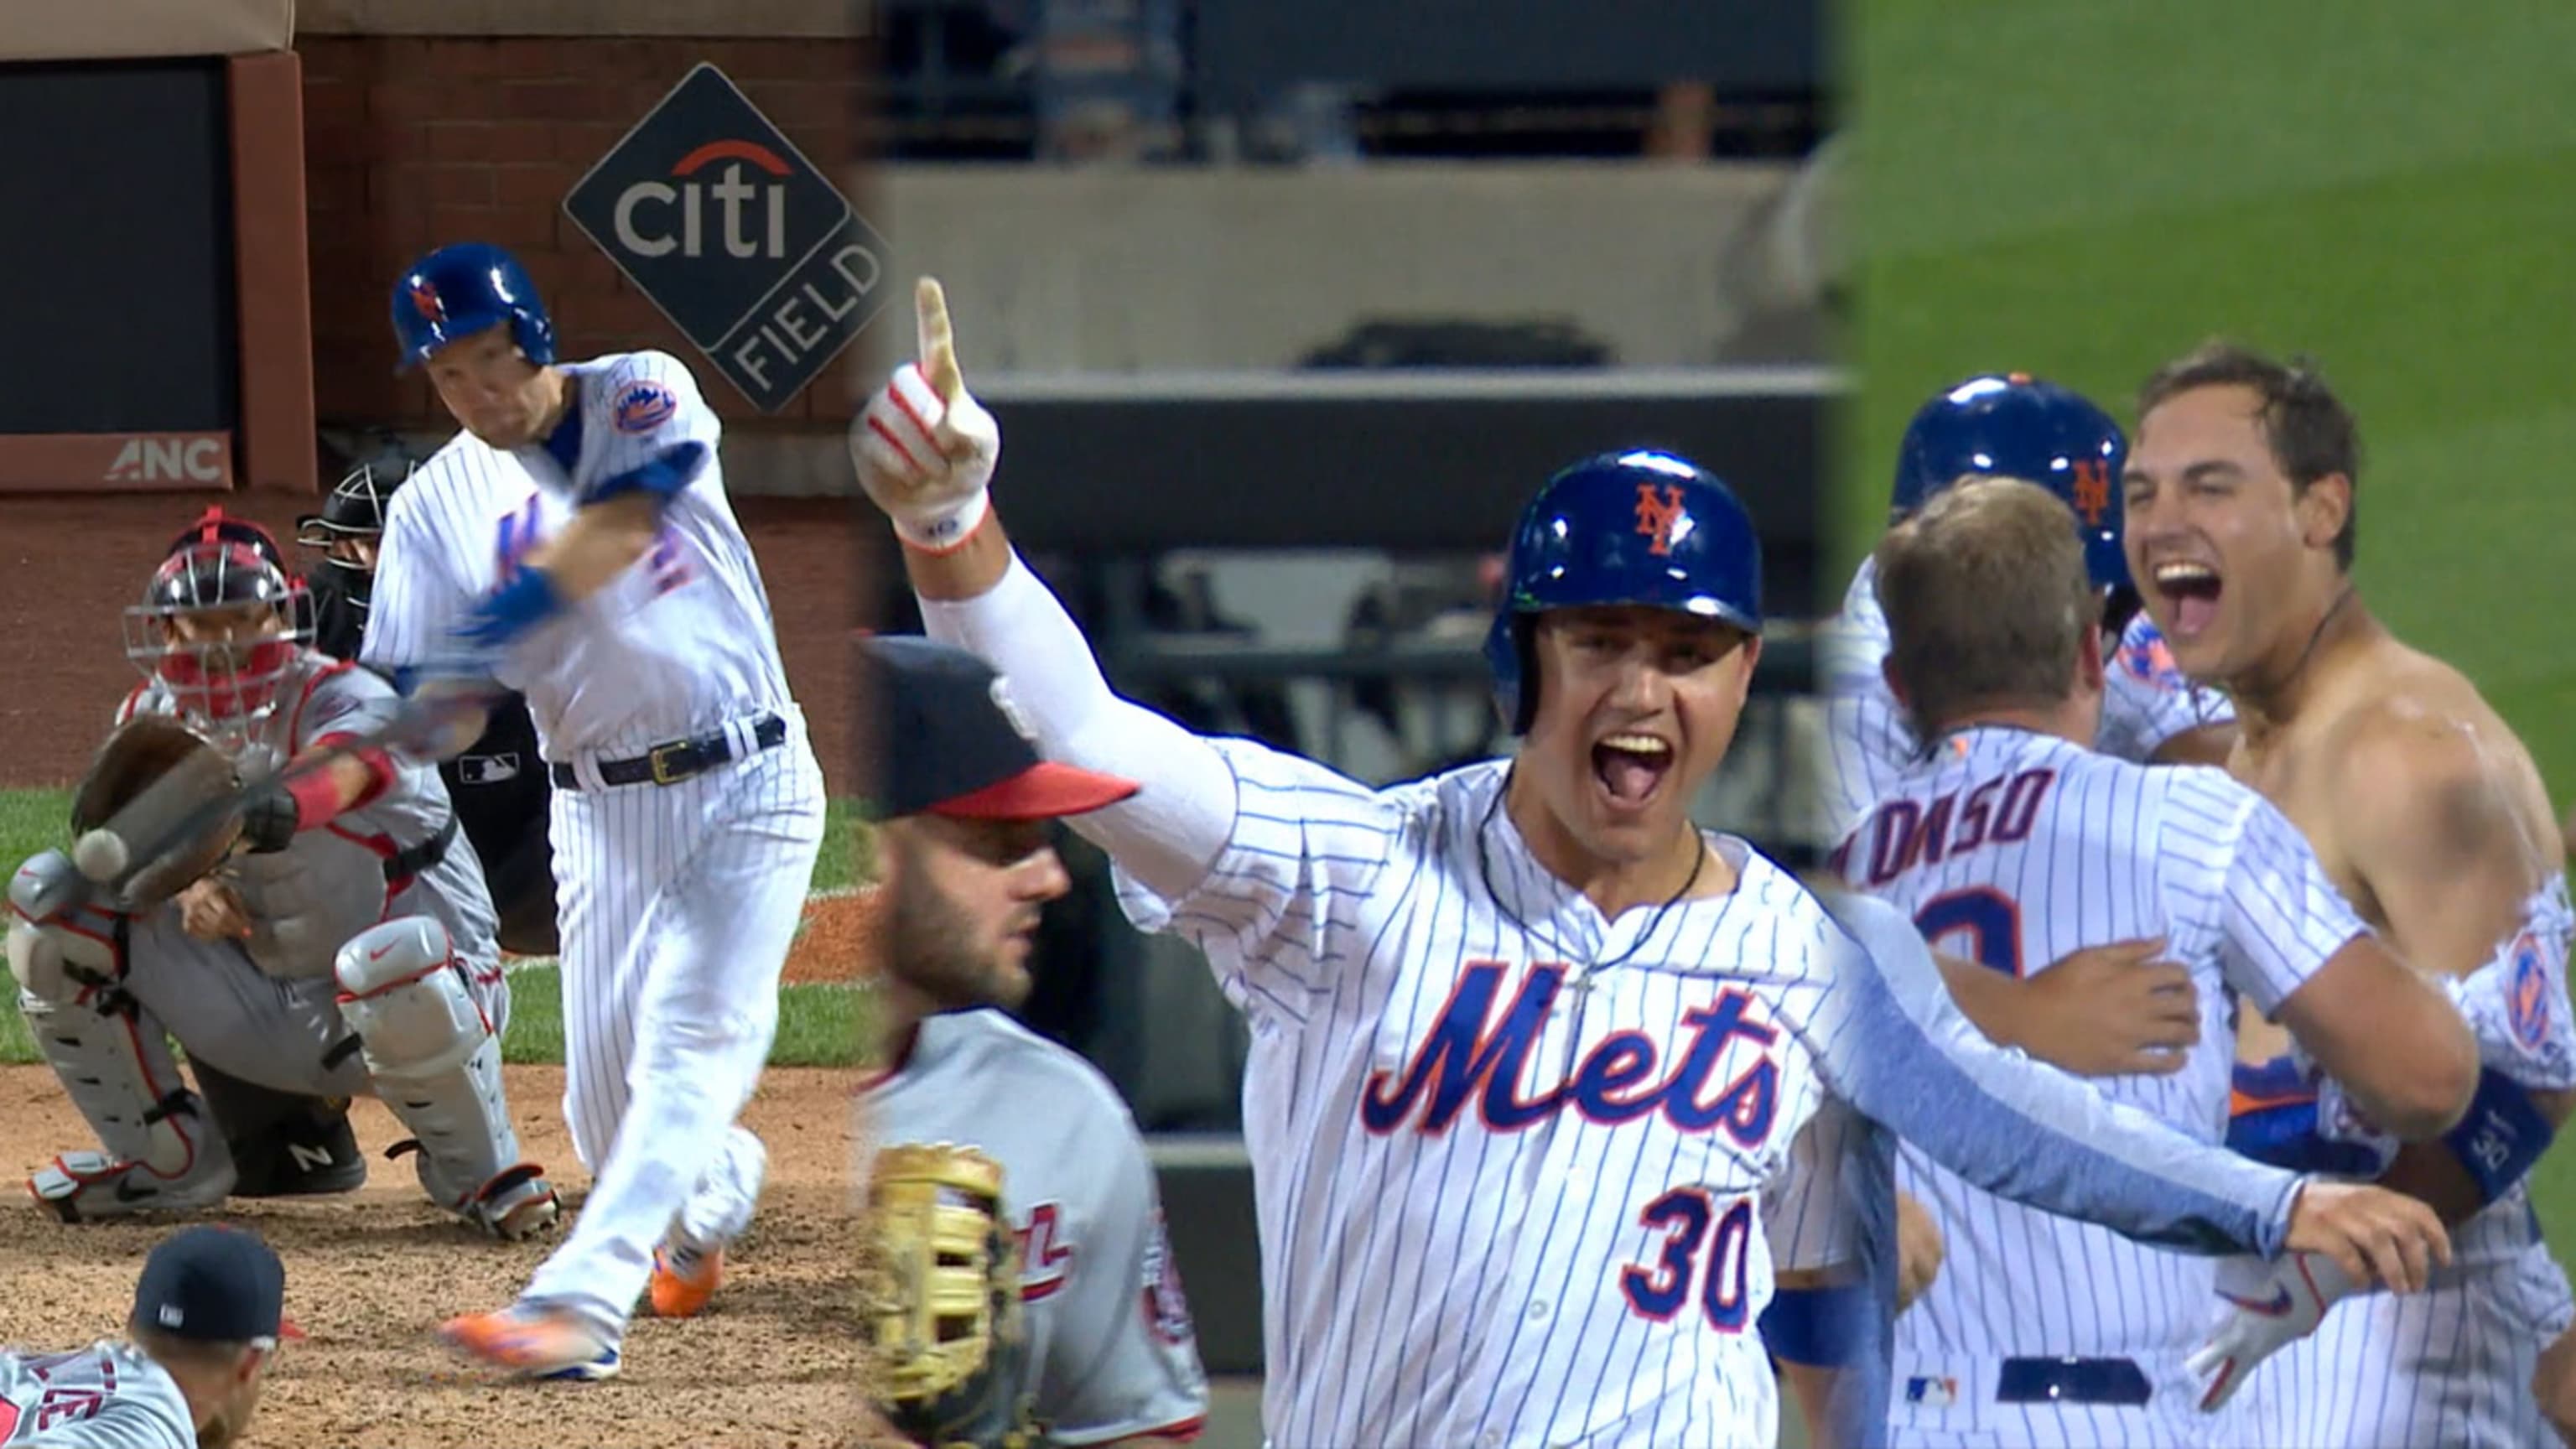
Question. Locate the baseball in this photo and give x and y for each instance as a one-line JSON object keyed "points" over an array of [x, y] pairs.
{"points": [[100, 856]]}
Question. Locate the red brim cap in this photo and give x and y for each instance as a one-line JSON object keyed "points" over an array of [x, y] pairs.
{"points": [[1044, 791]]}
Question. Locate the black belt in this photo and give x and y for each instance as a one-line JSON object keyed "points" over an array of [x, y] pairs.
{"points": [[670, 764], [2072, 1381], [407, 865]]}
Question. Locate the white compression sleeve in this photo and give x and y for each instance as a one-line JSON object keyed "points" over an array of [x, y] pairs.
{"points": [[1169, 832]]}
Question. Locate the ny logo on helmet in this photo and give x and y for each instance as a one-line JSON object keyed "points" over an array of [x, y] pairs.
{"points": [[424, 300], [2092, 490], [1660, 516]]}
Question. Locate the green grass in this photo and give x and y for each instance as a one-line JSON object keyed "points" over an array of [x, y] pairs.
{"points": [[2083, 191], [818, 1025]]}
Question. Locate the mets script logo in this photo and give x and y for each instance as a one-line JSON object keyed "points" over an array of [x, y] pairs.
{"points": [[2527, 996], [424, 300], [1660, 517], [1468, 1054], [643, 405], [2092, 490]]}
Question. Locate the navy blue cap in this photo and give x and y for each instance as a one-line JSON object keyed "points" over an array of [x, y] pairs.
{"points": [[948, 741], [214, 1285]]}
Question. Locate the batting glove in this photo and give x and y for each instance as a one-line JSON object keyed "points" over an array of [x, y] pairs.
{"points": [[2269, 1304], [924, 449], [527, 600]]}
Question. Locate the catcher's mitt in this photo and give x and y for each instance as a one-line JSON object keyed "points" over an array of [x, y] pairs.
{"points": [[940, 1301], [149, 776]]}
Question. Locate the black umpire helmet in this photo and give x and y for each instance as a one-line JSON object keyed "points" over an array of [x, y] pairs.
{"points": [[355, 508]]}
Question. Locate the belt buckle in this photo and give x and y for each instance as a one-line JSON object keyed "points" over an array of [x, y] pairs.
{"points": [[663, 774]]}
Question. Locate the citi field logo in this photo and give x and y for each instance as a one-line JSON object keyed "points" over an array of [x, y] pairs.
{"points": [[738, 201]]}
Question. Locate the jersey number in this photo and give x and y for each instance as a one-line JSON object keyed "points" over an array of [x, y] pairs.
{"points": [[1989, 920], [1686, 1215]]}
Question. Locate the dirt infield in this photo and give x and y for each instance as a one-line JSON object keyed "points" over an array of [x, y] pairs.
{"points": [[73, 565], [371, 1274]]}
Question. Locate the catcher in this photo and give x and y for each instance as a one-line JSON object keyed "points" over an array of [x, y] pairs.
{"points": [[332, 938], [987, 1128]]}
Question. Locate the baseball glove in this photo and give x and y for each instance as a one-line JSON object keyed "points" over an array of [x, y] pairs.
{"points": [[940, 1301], [154, 772]]}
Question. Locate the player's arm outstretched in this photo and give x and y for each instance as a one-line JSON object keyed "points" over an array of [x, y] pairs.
{"points": [[1893, 1045], [1233, 845]]}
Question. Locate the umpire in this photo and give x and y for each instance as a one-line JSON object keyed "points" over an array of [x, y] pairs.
{"points": [[499, 784]]}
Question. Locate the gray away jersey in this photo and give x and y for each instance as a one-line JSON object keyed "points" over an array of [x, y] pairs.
{"points": [[308, 900], [2014, 849], [1113, 1354], [677, 645], [2146, 702], [105, 1396]]}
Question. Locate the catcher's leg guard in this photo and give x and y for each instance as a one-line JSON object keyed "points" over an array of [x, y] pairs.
{"points": [[115, 1063], [283, 1144], [436, 1065]]}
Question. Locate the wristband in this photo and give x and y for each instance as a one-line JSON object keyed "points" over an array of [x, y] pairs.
{"points": [[944, 530], [2503, 1134], [1828, 1327]]}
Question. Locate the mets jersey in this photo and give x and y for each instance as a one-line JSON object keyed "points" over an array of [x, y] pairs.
{"points": [[2146, 701], [1112, 1353], [106, 1396], [673, 648], [395, 855], [1508, 1154], [2015, 849]]}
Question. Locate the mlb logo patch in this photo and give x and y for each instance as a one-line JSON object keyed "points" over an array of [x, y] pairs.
{"points": [[1931, 1393], [640, 407]]}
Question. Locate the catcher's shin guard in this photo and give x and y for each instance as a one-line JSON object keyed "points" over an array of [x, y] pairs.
{"points": [[436, 1064], [940, 1300], [115, 1063], [282, 1144]]}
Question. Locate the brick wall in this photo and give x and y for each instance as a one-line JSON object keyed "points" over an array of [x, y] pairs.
{"points": [[415, 141]]}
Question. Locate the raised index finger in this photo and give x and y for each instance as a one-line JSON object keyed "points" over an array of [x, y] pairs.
{"points": [[938, 341]]}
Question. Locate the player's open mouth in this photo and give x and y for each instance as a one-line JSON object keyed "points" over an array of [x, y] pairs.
{"points": [[1630, 766], [2190, 592]]}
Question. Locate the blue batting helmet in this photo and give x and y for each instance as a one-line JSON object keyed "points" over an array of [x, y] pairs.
{"points": [[457, 291], [1622, 528], [2016, 426]]}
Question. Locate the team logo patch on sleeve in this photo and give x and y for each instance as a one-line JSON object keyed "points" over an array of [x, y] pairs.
{"points": [[642, 406], [1167, 1308], [2527, 994], [2147, 656]]}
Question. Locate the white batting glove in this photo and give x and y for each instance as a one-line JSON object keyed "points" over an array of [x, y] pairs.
{"points": [[2269, 1304], [924, 449]]}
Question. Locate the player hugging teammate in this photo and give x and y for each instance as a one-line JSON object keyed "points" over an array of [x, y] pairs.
{"points": [[2371, 808]]}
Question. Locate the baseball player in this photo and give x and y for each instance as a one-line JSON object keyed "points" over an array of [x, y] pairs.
{"points": [[1112, 1356], [498, 783], [2011, 843], [2108, 1012], [189, 1369], [2426, 811], [575, 543], [349, 951], [1528, 1046]]}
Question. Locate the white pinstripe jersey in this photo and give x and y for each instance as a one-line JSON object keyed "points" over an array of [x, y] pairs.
{"points": [[2014, 849], [106, 1396], [1509, 1156], [2146, 701], [1112, 1351], [674, 647]]}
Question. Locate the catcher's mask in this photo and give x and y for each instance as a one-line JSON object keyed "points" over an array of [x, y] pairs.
{"points": [[219, 626]]}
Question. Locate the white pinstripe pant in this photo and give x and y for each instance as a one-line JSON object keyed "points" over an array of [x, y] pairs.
{"points": [[679, 903]]}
